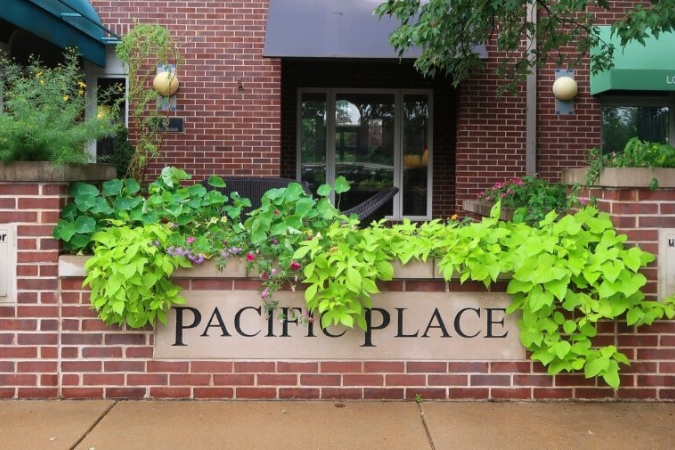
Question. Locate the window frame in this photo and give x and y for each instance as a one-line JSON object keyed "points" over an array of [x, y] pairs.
{"points": [[399, 95]]}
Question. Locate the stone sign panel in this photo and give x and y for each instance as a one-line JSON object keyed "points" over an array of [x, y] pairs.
{"points": [[401, 326]]}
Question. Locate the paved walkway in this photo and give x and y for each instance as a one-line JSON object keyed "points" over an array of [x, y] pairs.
{"points": [[222, 425]]}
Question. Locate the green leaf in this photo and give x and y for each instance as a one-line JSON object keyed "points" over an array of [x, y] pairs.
{"points": [[341, 185]]}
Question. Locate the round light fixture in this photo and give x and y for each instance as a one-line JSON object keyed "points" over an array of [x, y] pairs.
{"points": [[165, 83], [565, 88]]}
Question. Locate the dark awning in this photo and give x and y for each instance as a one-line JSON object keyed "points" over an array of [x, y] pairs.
{"points": [[65, 23], [331, 29], [637, 67]]}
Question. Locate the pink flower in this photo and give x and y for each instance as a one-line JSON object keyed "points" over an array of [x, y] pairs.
{"points": [[583, 200], [250, 257], [276, 212], [264, 275], [295, 265], [265, 293], [190, 240]]}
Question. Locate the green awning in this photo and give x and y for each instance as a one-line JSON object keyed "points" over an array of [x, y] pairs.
{"points": [[637, 67], [65, 23]]}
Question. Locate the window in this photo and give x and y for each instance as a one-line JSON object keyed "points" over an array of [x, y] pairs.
{"points": [[112, 80], [375, 139], [650, 119]]}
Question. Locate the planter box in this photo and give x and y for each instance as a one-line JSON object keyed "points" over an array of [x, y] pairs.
{"points": [[622, 177], [45, 171], [483, 209]]}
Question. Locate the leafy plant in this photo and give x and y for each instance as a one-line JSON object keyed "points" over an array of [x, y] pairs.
{"points": [[142, 49], [43, 112], [167, 202], [129, 275], [637, 153], [531, 197]]}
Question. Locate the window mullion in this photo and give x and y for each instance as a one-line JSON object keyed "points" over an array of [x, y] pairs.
{"points": [[330, 141]]}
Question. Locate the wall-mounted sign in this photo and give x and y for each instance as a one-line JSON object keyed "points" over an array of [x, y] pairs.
{"points": [[401, 326], [171, 125]]}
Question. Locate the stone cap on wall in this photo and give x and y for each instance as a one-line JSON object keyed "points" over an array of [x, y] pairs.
{"points": [[45, 171], [628, 177]]}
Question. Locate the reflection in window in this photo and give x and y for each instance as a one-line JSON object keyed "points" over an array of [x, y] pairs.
{"points": [[375, 140], [313, 140], [415, 154], [364, 143], [621, 123]]}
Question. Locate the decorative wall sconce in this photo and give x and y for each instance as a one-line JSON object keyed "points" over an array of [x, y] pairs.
{"points": [[166, 83], [565, 88]]}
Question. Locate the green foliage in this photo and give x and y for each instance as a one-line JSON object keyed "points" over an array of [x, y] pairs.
{"points": [[167, 202], [637, 153], [448, 31], [43, 113], [129, 275], [531, 197], [142, 49]]}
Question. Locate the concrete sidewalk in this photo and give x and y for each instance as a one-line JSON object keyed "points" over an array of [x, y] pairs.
{"points": [[300, 425]]}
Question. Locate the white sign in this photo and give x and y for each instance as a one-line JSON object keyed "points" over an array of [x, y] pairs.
{"points": [[7, 263], [401, 326]]}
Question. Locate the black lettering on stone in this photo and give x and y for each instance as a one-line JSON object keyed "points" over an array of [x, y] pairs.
{"points": [[287, 313], [386, 319], [490, 322], [180, 323], [458, 322], [237, 321], [441, 325], [221, 324], [399, 328]]}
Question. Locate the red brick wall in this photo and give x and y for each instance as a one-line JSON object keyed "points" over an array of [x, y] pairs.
{"points": [[53, 345], [227, 131], [29, 327]]}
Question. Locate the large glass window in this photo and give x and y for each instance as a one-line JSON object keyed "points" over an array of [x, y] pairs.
{"points": [[623, 119], [374, 139]]}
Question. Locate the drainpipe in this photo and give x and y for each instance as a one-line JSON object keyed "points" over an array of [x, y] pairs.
{"points": [[531, 96]]}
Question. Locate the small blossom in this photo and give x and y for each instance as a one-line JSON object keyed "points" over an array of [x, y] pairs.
{"points": [[250, 257], [264, 275], [190, 240], [265, 293], [583, 200], [276, 212], [295, 265], [453, 217]]}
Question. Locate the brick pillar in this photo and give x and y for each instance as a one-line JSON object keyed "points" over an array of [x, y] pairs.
{"points": [[30, 319]]}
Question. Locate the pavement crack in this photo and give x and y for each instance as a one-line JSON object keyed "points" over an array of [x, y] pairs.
{"points": [[93, 425], [426, 428]]}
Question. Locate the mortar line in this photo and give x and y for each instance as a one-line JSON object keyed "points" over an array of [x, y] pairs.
{"points": [[96, 422], [426, 427]]}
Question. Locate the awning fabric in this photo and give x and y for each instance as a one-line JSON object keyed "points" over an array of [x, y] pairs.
{"points": [[65, 23], [331, 29], [636, 67]]}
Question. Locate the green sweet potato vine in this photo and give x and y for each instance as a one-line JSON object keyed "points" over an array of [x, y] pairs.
{"points": [[566, 276]]}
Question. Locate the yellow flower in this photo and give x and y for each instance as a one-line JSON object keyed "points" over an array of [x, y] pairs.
{"points": [[65, 98], [42, 81], [81, 84], [39, 74], [453, 217]]}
